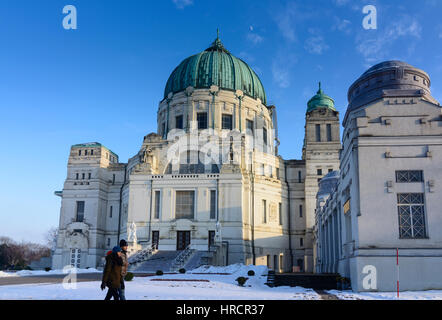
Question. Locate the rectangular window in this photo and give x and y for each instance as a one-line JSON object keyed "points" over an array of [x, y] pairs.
{"points": [[318, 132], [280, 213], [277, 173], [76, 176], [185, 204], [299, 177], [179, 122], [80, 211], [227, 121], [79, 152], [301, 242], [319, 172], [110, 212], [82, 176], [85, 152], [89, 175], [330, 170], [329, 132], [163, 129], [157, 204], [409, 176], [411, 212], [249, 127], [201, 118], [264, 211], [264, 136], [113, 178], [92, 152], [212, 204], [300, 210], [108, 241]]}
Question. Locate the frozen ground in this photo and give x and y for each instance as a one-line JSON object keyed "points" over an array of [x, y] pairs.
{"points": [[172, 287], [210, 283], [24, 273], [406, 295]]}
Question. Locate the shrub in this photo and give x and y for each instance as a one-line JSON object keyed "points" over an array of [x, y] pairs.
{"points": [[251, 273], [159, 273], [47, 269], [129, 276], [241, 281], [182, 270]]}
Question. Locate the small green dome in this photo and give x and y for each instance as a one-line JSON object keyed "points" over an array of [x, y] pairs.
{"points": [[320, 100], [215, 66]]}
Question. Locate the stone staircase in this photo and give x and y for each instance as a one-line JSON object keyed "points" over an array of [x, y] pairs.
{"points": [[199, 259], [160, 260], [169, 261]]}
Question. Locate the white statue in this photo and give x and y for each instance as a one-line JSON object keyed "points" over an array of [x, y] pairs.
{"points": [[132, 233], [218, 232]]}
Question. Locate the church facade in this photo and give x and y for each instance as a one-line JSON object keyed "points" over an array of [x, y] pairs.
{"points": [[209, 178]]}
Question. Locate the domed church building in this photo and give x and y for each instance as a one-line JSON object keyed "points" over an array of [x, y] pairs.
{"points": [[208, 187]]}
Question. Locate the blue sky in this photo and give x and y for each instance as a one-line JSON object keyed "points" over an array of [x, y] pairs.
{"points": [[103, 81]]}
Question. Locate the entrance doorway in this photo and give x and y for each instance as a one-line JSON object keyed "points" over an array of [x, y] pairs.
{"points": [[75, 258], [182, 240], [211, 239], [155, 239]]}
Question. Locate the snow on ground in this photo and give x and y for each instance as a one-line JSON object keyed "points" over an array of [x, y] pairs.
{"points": [[7, 274], [24, 273], [406, 295], [219, 287], [233, 268]]}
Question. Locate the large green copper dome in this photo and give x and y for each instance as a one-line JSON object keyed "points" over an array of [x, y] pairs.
{"points": [[320, 100], [215, 66]]}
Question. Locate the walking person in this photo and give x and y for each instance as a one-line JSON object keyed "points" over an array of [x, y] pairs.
{"points": [[123, 246], [112, 274]]}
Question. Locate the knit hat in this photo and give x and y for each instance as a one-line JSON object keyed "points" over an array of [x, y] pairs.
{"points": [[123, 243], [116, 249]]}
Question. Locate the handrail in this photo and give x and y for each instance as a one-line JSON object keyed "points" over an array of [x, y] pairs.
{"points": [[142, 255], [180, 260]]}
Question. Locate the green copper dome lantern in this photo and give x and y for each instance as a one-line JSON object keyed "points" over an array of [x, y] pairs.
{"points": [[320, 100], [215, 66]]}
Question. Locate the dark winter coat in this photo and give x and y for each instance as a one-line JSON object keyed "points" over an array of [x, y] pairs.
{"points": [[112, 271]]}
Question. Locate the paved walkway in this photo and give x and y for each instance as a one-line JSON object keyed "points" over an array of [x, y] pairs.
{"points": [[326, 296]]}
